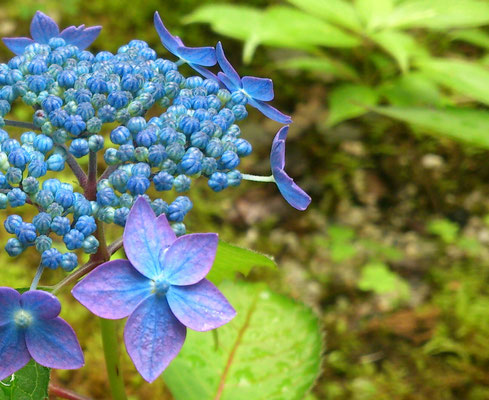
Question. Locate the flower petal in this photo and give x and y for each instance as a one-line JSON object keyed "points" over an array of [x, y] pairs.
{"points": [[200, 307], [145, 237], [227, 82], [18, 44], [226, 67], [113, 290], [42, 304], [43, 28], [205, 56], [53, 344], [277, 155], [168, 40], [269, 111], [294, 195], [80, 37], [204, 72], [13, 351], [258, 88], [189, 259], [9, 303], [153, 337]]}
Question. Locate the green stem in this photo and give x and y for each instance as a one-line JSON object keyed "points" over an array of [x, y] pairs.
{"points": [[258, 178], [110, 341]]}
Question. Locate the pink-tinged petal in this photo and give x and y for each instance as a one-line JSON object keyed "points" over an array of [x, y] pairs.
{"points": [[227, 82], [9, 303], [13, 351], [80, 37], [41, 304], [226, 67], [200, 307], [53, 344], [43, 28], [258, 88], [113, 290], [204, 72], [205, 56], [168, 40], [294, 195], [270, 111], [189, 259], [277, 155], [17, 45], [153, 337], [145, 237]]}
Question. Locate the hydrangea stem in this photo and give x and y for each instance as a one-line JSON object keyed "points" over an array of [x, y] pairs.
{"points": [[65, 393], [258, 178], [112, 358], [75, 167], [21, 124], [37, 277]]}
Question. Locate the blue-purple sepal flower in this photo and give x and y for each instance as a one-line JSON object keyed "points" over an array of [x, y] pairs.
{"points": [[161, 288], [196, 57], [294, 195], [257, 90], [30, 328], [43, 28]]}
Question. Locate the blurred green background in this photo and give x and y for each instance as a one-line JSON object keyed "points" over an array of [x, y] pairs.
{"points": [[390, 137]]}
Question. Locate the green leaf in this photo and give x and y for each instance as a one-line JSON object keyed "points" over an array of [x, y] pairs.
{"points": [[231, 259], [350, 101], [465, 125], [467, 78], [378, 278], [338, 12], [29, 383], [445, 229], [477, 37], [374, 13], [320, 64], [439, 14], [270, 351], [399, 45]]}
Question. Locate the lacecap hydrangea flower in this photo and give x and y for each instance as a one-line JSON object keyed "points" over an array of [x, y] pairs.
{"points": [[294, 195], [30, 328], [161, 288], [43, 29]]}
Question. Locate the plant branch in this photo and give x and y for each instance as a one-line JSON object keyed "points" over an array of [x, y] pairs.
{"points": [[65, 393], [108, 171], [21, 124], [75, 167], [115, 245]]}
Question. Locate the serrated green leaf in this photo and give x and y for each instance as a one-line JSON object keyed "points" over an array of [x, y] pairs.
{"points": [[350, 101], [467, 78], [270, 351], [320, 64], [338, 12], [439, 14], [465, 125], [477, 37], [231, 259], [29, 383], [399, 45]]}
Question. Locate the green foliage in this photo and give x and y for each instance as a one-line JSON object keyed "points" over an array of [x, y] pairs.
{"points": [[232, 259], [445, 229], [378, 52], [30, 383], [378, 278], [271, 350]]}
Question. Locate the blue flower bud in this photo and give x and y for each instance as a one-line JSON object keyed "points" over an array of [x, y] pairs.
{"points": [[55, 210], [118, 99], [19, 158], [36, 83], [52, 185], [16, 197], [126, 153], [229, 160], [86, 225], [58, 117], [190, 164], [243, 147], [181, 183], [214, 148], [136, 124], [73, 239], [67, 186], [111, 156], [64, 198], [126, 200], [44, 198], [156, 155], [146, 137], [240, 112], [224, 95], [37, 66], [179, 228], [90, 245], [42, 222], [79, 148], [218, 181], [141, 169], [26, 233], [120, 216], [37, 168], [214, 102], [163, 181], [51, 103], [13, 176], [83, 95], [51, 258], [85, 110], [179, 208], [10, 145], [96, 143], [43, 243], [30, 185], [82, 207], [175, 151], [60, 225], [75, 125], [12, 223], [169, 166], [138, 184], [118, 179], [4, 108], [69, 262], [27, 137], [131, 83], [67, 78], [106, 197], [239, 98], [14, 247], [234, 178], [97, 85], [159, 206], [55, 162], [211, 85], [106, 214], [209, 166]]}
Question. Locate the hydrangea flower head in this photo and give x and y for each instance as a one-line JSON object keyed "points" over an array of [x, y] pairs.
{"points": [[196, 57], [30, 328], [257, 90], [43, 28], [294, 195], [161, 288]]}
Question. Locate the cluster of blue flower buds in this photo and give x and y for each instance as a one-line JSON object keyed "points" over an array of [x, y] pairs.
{"points": [[75, 94]]}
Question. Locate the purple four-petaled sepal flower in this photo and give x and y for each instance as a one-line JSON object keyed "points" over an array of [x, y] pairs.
{"points": [[257, 90], [161, 288], [294, 195], [43, 28], [196, 57], [30, 328]]}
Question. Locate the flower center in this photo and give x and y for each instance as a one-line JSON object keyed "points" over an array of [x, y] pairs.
{"points": [[160, 287], [23, 319]]}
